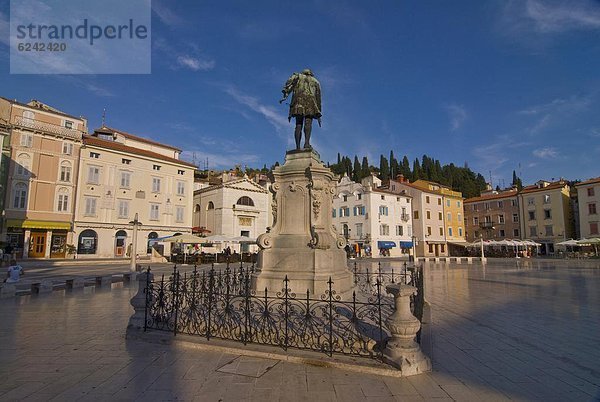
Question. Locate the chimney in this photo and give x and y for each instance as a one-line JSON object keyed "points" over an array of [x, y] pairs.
{"points": [[400, 178]]}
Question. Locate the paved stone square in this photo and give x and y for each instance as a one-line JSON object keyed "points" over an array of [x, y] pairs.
{"points": [[504, 332]]}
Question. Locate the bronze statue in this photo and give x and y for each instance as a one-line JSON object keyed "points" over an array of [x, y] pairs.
{"points": [[306, 103]]}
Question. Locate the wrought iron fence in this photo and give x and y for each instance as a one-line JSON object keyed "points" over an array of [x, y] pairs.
{"points": [[222, 304]]}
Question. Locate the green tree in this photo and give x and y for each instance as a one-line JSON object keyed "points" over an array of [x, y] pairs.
{"points": [[384, 168]]}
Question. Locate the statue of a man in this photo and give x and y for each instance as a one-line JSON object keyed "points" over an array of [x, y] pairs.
{"points": [[306, 103]]}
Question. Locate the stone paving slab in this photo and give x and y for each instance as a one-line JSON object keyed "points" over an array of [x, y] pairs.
{"points": [[490, 339]]}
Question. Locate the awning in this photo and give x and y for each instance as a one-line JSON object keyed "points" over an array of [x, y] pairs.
{"points": [[35, 224], [385, 244], [459, 243], [435, 242], [406, 244]]}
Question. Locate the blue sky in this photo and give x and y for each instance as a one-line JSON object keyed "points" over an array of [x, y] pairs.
{"points": [[501, 85]]}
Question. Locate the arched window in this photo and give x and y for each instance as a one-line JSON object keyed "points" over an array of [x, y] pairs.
{"points": [[65, 171], [210, 205], [346, 230], [88, 242], [62, 199], [20, 196], [121, 233], [245, 201], [151, 241], [197, 208], [23, 165]]}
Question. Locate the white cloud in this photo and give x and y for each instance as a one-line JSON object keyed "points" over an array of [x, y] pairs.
{"points": [[268, 112], [553, 16], [165, 14], [557, 109], [545, 153], [457, 115], [195, 63]]}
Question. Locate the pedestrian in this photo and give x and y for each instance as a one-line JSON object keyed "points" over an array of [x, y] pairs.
{"points": [[14, 272], [8, 252]]}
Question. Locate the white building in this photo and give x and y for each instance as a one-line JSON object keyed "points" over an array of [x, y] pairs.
{"points": [[588, 196], [368, 216], [120, 175], [236, 207]]}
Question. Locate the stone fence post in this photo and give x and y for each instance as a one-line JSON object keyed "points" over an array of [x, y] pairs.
{"points": [[402, 351], [137, 320]]}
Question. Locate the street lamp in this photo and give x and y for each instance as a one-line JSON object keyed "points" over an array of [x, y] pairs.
{"points": [[136, 223], [483, 259]]}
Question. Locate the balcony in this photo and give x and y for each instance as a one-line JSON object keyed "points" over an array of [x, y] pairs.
{"points": [[405, 217], [486, 225], [48, 128]]}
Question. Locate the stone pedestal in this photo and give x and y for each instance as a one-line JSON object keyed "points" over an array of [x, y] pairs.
{"points": [[302, 244], [402, 351], [138, 302]]}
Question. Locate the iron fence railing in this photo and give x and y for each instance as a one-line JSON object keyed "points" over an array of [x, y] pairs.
{"points": [[222, 304]]}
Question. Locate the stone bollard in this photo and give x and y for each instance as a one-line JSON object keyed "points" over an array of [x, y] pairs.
{"points": [[74, 283], [44, 286], [137, 320], [7, 290], [104, 281], [402, 351]]}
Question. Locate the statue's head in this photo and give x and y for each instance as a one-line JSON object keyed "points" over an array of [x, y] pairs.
{"points": [[307, 71]]}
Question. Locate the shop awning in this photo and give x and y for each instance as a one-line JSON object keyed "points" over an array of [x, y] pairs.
{"points": [[35, 224], [385, 244], [459, 243], [406, 244], [435, 242]]}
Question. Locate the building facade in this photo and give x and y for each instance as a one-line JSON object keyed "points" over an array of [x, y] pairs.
{"points": [[588, 196], [493, 215], [42, 177], [367, 215], [546, 214], [122, 175], [236, 207]]}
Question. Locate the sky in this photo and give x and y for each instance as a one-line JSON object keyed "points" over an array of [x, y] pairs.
{"points": [[500, 85]]}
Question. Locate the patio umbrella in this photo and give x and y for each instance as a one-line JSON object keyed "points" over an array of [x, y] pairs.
{"points": [[185, 238], [569, 242], [590, 242]]}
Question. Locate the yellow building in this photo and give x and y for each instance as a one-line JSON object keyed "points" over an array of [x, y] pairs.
{"points": [[39, 200]]}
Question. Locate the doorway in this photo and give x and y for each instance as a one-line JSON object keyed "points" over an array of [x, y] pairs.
{"points": [[120, 238], [58, 246], [37, 248]]}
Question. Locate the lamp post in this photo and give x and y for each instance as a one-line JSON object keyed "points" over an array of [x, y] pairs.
{"points": [[136, 223], [482, 252]]}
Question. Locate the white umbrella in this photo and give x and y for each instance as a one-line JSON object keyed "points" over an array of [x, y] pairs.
{"points": [[569, 242], [185, 238]]}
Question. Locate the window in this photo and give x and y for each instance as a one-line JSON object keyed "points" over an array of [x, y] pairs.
{"points": [[383, 210], [547, 214], [441, 231], [487, 206], [359, 196], [513, 203], [429, 230], [346, 230], [546, 199], [515, 232], [428, 214], [430, 248], [383, 197], [449, 217], [440, 216], [427, 199], [359, 210], [63, 200], [475, 207], [475, 220], [415, 214], [67, 148], [65, 172], [345, 197], [501, 233], [359, 231], [247, 201], [123, 209], [590, 191], [549, 230], [90, 206], [20, 196], [460, 232], [154, 212], [68, 124], [126, 161], [592, 209], [384, 230], [155, 167], [26, 140], [88, 240], [501, 218], [28, 115], [333, 212], [457, 204], [488, 219], [399, 230], [500, 204], [94, 155], [180, 188], [530, 201], [447, 203], [93, 175], [179, 214], [156, 185], [23, 165], [450, 232], [515, 218], [594, 228], [439, 201], [125, 179], [181, 172], [211, 205], [531, 215], [532, 231], [344, 211]]}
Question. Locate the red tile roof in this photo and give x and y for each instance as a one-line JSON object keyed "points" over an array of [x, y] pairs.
{"points": [[117, 146], [552, 186], [54, 111], [590, 181], [106, 129], [487, 197]]}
